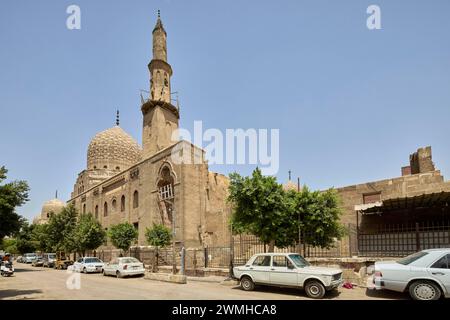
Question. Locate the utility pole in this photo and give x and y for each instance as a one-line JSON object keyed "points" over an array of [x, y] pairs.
{"points": [[174, 260]]}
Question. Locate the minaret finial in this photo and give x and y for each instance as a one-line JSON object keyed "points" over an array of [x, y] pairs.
{"points": [[289, 175], [56, 194], [159, 14], [117, 118]]}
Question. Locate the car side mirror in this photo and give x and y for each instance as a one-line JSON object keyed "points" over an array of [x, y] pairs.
{"points": [[290, 266]]}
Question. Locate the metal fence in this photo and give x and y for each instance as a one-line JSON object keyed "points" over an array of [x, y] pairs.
{"points": [[245, 246], [403, 239]]}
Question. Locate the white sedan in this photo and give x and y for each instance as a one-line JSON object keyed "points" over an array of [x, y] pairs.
{"points": [[124, 266], [425, 274], [287, 270], [88, 265]]}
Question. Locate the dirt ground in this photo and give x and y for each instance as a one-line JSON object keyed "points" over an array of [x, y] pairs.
{"points": [[41, 283]]}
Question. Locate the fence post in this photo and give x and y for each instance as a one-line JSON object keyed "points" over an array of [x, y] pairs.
{"points": [[206, 257], [417, 237]]}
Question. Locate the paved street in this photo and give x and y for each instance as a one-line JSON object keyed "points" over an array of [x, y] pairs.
{"points": [[42, 283]]}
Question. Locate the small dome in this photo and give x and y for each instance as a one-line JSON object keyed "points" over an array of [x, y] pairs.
{"points": [[290, 186], [51, 206], [113, 149]]}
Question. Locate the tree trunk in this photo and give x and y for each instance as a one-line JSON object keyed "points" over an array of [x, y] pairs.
{"points": [[271, 245]]}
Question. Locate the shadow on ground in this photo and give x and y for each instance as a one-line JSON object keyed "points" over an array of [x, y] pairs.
{"points": [[18, 269], [14, 293], [386, 294], [291, 291]]}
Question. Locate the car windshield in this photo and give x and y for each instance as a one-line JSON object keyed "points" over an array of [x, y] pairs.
{"points": [[51, 256], [92, 260], [129, 260], [299, 260], [411, 258]]}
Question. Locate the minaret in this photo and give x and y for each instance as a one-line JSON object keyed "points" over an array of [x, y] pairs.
{"points": [[160, 116], [160, 70]]}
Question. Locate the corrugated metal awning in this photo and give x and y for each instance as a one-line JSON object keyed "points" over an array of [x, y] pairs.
{"points": [[427, 200]]}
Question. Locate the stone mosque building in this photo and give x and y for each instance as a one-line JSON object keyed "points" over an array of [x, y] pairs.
{"points": [[143, 185]]}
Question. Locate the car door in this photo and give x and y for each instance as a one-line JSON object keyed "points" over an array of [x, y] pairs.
{"points": [[283, 272], [260, 268], [440, 271], [112, 266], [78, 265]]}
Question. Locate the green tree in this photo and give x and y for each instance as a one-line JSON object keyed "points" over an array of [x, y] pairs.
{"points": [[88, 234], [24, 241], [158, 236], [40, 235], [10, 245], [123, 235], [12, 195], [260, 208], [319, 214], [60, 229]]}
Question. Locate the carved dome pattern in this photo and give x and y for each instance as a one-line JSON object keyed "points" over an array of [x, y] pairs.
{"points": [[112, 149]]}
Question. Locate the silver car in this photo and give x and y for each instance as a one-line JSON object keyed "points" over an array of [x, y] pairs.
{"points": [[29, 257], [287, 270], [124, 266], [88, 265], [425, 274]]}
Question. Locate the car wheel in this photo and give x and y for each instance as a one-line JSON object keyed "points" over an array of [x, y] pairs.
{"points": [[247, 283], [103, 272], [315, 289], [118, 275], [424, 290], [84, 271]]}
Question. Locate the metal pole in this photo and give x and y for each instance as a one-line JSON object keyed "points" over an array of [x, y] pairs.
{"points": [[183, 255], [174, 261], [231, 252]]}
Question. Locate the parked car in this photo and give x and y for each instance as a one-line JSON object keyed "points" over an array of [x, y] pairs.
{"points": [[425, 274], [124, 266], [29, 257], [38, 261], [49, 260], [19, 259], [287, 270], [62, 261], [88, 264]]}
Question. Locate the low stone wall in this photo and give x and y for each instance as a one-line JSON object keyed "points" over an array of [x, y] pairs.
{"points": [[355, 270]]}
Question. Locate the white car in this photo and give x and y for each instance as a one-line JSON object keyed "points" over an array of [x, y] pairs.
{"points": [[287, 270], [124, 266], [425, 274], [88, 265], [29, 257]]}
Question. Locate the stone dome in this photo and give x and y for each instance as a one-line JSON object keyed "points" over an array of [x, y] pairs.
{"points": [[54, 205], [290, 186], [113, 149]]}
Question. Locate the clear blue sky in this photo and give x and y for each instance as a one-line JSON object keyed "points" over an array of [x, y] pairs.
{"points": [[351, 104]]}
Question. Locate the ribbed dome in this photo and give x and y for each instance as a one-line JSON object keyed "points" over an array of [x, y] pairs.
{"points": [[54, 205], [113, 149], [290, 186]]}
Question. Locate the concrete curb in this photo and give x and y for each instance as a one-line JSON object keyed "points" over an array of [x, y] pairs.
{"points": [[174, 278]]}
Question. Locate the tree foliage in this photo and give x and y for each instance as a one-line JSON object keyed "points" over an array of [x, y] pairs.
{"points": [[60, 229], [158, 236], [12, 195], [88, 234], [261, 207], [123, 235]]}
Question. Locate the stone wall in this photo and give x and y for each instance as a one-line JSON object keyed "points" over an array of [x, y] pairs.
{"points": [[407, 186]]}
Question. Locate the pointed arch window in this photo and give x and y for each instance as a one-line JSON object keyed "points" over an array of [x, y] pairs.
{"points": [[135, 199], [122, 204], [105, 209]]}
